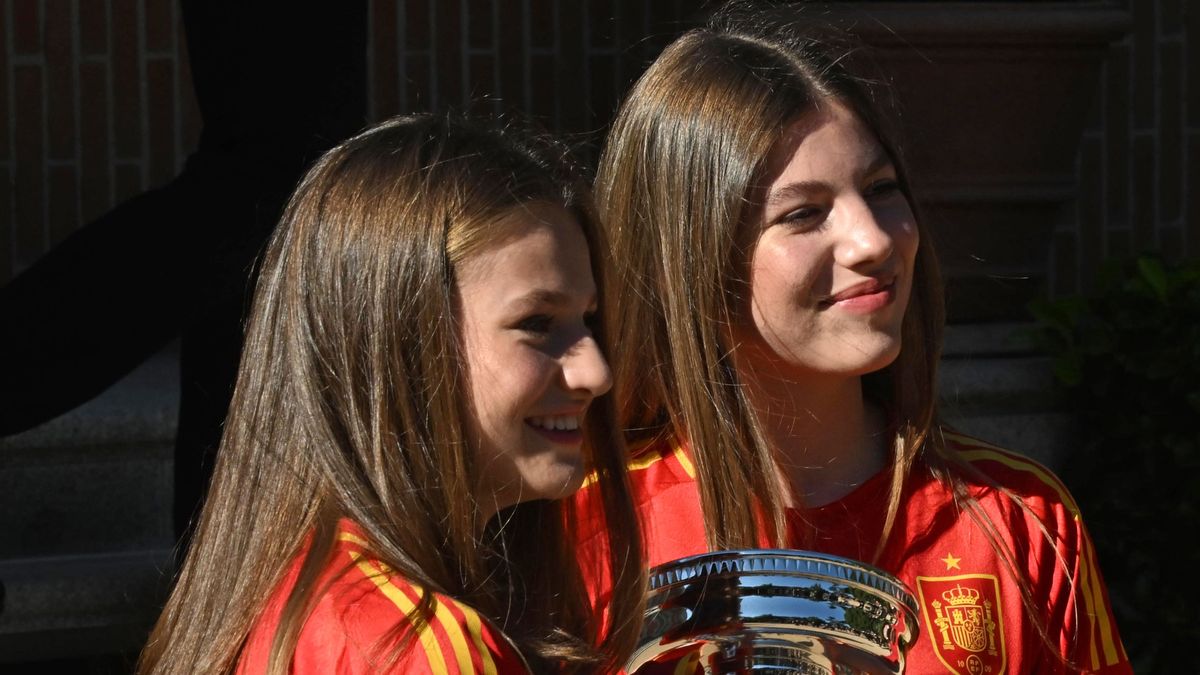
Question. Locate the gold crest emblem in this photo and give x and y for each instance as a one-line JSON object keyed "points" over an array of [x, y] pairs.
{"points": [[964, 619]]}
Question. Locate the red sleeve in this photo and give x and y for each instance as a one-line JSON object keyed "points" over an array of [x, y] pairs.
{"points": [[362, 624], [1089, 637], [363, 614], [1061, 564], [359, 642]]}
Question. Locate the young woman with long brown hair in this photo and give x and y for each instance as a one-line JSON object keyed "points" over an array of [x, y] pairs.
{"points": [[422, 383], [780, 325]]}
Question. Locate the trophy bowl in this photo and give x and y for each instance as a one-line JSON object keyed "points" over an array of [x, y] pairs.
{"points": [[774, 612]]}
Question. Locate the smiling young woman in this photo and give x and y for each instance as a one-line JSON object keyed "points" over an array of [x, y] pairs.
{"points": [[832, 258], [781, 315], [528, 304], [422, 380], [830, 253]]}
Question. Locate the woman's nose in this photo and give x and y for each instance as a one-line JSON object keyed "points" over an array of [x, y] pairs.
{"points": [[586, 369], [867, 236]]}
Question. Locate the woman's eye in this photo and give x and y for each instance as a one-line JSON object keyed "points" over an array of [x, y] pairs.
{"points": [[803, 214], [885, 187], [538, 324], [804, 219]]}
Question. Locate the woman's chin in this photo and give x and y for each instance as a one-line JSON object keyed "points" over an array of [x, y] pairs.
{"points": [[555, 477], [563, 481]]}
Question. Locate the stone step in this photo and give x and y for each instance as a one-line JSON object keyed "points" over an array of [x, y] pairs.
{"points": [[70, 606], [994, 386], [85, 521]]}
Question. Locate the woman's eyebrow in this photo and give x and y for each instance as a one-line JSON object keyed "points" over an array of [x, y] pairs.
{"points": [[540, 297], [879, 160], [791, 190], [544, 297]]}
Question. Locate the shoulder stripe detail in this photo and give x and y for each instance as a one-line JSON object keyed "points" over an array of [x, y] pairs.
{"points": [[444, 614], [1099, 628], [429, 642], [454, 631], [475, 628], [1091, 599], [1026, 465], [346, 536], [1099, 610]]}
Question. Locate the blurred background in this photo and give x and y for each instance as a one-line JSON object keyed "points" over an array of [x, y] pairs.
{"points": [[1055, 147]]}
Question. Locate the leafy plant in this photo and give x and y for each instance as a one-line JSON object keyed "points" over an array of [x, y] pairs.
{"points": [[1128, 360]]}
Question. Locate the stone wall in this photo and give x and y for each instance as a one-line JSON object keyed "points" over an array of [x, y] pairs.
{"points": [[1139, 164]]}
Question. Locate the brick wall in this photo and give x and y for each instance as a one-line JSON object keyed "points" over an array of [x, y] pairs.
{"points": [[97, 105], [1139, 164], [564, 61]]}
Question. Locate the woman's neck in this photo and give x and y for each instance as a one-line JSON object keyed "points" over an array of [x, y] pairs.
{"points": [[828, 440]]}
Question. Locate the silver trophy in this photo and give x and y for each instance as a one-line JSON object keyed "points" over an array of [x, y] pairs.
{"points": [[774, 612]]}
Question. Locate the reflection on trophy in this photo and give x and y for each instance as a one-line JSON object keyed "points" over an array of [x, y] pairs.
{"points": [[777, 612]]}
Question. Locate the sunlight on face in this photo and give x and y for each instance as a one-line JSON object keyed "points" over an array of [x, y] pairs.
{"points": [[533, 365], [832, 263]]}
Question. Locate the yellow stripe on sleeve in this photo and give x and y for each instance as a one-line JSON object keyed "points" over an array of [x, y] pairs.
{"points": [[1027, 466], [475, 628], [442, 615], [429, 642], [346, 536], [1107, 641], [458, 641], [1089, 603], [1092, 594]]}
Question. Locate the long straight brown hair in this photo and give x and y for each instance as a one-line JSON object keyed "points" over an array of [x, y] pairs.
{"points": [[350, 402], [677, 183]]}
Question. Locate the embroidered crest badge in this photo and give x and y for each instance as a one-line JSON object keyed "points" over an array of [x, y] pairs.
{"points": [[963, 616]]}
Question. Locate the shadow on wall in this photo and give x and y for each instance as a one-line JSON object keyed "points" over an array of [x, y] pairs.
{"points": [[82, 555]]}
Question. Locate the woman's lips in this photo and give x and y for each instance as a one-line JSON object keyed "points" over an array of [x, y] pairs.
{"points": [[559, 436], [864, 298], [563, 429]]}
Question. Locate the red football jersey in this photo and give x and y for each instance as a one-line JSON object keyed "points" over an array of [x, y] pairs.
{"points": [[972, 619], [347, 630]]}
